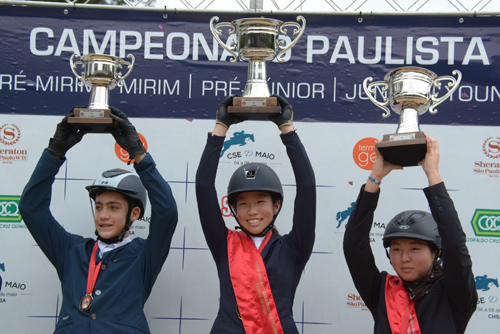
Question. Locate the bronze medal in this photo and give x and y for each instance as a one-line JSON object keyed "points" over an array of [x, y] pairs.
{"points": [[86, 303]]}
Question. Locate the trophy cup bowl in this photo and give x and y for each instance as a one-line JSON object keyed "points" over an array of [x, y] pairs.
{"points": [[101, 73], [410, 92], [257, 41]]}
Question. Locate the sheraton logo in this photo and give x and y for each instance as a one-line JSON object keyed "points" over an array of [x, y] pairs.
{"points": [[491, 147], [486, 223], [9, 134]]}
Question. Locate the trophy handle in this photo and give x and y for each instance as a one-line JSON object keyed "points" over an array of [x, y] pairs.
{"points": [[73, 67], [121, 77], [453, 84], [370, 91], [298, 31], [216, 31]]}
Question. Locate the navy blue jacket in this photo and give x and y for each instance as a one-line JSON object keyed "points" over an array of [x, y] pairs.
{"points": [[284, 256], [451, 300], [127, 274]]}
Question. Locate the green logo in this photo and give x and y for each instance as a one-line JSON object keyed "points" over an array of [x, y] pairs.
{"points": [[486, 223], [9, 209]]}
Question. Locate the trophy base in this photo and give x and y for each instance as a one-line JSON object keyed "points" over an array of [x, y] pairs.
{"points": [[255, 108], [97, 120], [405, 149]]}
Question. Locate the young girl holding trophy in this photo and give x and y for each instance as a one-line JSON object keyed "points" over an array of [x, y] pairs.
{"points": [[424, 297], [259, 270]]}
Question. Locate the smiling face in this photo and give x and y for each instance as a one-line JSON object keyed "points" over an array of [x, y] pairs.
{"points": [[255, 210], [110, 214], [411, 258]]}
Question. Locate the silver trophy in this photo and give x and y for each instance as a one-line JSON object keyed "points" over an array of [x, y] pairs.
{"points": [[410, 91], [257, 42], [101, 73]]}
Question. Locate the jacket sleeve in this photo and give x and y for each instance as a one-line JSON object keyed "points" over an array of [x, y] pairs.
{"points": [[34, 206], [163, 214], [212, 222], [304, 215], [358, 252], [457, 264]]}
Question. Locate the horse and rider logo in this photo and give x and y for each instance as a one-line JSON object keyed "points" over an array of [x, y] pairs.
{"points": [[343, 215], [484, 283], [238, 139]]}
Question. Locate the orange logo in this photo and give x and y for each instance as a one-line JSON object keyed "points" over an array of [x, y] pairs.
{"points": [[364, 153], [491, 147], [123, 155], [9, 134]]}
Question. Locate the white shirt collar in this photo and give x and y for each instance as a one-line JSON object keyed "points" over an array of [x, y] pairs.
{"points": [[257, 241], [104, 247]]}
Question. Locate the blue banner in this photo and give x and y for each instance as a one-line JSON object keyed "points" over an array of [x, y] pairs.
{"points": [[182, 72]]}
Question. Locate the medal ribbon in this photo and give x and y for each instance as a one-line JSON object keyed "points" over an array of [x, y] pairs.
{"points": [[400, 309], [251, 285], [93, 270]]}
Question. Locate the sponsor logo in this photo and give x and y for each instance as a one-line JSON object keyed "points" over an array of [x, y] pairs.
{"points": [[364, 153], [8, 288], [486, 223], [484, 283], [9, 134], [354, 301], [123, 155], [9, 209], [238, 139], [491, 148], [224, 207], [343, 215]]}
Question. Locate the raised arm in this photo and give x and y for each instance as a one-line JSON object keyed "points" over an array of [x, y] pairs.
{"points": [[457, 264], [357, 249], [37, 194], [304, 215], [209, 210]]}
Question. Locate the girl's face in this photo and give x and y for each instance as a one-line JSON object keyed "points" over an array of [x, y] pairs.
{"points": [[411, 258], [255, 210]]}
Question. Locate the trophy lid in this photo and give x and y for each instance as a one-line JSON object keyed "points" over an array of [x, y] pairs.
{"points": [[414, 69]]}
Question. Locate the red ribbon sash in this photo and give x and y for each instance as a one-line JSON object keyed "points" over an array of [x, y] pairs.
{"points": [[251, 284], [93, 270], [400, 309]]}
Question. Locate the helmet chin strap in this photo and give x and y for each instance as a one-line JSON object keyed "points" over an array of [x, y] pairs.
{"points": [[261, 234]]}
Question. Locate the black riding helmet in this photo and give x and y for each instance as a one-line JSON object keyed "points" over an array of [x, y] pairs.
{"points": [[413, 224], [125, 183], [255, 177]]}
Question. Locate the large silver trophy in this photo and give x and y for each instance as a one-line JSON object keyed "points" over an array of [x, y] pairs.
{"points": [[101, 73], [410, 91], [257, 42]]}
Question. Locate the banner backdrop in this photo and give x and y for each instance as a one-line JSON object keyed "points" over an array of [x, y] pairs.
{"points": [[180, 76]]}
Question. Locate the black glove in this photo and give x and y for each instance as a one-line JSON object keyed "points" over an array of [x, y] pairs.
{"points": [[125, 134], [65, 137], [286, 116], [223, 117]]}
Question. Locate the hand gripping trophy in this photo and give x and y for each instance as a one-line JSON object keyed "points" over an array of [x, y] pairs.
{"points": [[257, 41], [410, 93], [101, 73]]}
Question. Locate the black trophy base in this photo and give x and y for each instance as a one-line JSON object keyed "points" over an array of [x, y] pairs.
{"points": [[255, 108], [96, 120], [405, 149]]}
